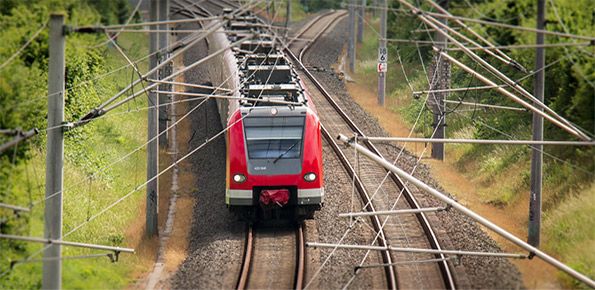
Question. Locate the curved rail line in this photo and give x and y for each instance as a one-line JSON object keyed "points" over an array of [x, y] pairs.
{"points": [[248, 279], [330, 18], [445, 270]]}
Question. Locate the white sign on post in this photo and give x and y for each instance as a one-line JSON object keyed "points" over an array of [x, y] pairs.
{"points": [[382, 67], [382, 54]]}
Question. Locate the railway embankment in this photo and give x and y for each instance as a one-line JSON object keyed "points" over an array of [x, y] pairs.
{"points": [[460, 232]]}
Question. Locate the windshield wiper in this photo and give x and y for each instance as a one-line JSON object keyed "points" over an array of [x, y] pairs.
{"points": [[288, 149]]}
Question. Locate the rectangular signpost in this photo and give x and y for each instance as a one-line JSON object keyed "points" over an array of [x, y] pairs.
{"points": [[382, 55]]}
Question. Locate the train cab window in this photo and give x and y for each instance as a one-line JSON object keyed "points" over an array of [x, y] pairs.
{"points": [[274, 138]]}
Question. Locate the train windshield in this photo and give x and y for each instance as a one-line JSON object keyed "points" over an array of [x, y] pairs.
{"points": [[274, 137]]}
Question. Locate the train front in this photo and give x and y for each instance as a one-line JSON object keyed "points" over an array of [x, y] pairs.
{"points": [[274, 165]]}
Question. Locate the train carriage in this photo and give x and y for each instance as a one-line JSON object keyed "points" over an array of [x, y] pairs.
{"points": [[274, 146]]}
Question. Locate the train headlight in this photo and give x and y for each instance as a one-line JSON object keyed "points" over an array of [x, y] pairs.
{"points": [[239, 178], [274, 111], [310, 177]]}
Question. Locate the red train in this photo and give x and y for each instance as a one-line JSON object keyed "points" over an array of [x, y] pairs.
{"points": [[274, 146]]}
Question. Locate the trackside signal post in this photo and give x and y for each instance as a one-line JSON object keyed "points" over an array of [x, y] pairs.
{"points": [[439, 80], [153, 131], [351, 45], [52, 264], [537, 157], [382, 55]]}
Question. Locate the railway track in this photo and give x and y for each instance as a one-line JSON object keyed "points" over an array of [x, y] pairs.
{"points": [[264, 250], [274, 258], [305, 37], [403, 230]]}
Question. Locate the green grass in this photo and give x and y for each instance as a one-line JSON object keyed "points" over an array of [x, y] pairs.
{"points": [[113, 136], [568, 231], [501, 171]]}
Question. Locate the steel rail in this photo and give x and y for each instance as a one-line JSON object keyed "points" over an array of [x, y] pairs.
{"points": [[246, 268], [308, 25], [245, 272], [471, 214], [432, 238], [301, 259], [387, 258], [391, 276], [339, 15]]}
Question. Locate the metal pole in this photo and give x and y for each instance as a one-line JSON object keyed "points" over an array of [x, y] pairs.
{"points": [[163, 42], [52, 269], [361, 13], [440, 80], [287, 14], [66, 243], [509, 60], [414, 250], [537, 157], [486, 105], [18, 138], [152, 209], [433, 23], [525, 104], [14, 207], [382, 54], [480, 141], [351, 45], [478, 218], [391, 212]]}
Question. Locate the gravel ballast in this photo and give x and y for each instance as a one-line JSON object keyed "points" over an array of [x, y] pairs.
{"points": [[455, 230], [217, 237]]}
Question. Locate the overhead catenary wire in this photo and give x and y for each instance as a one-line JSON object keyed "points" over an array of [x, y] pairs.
{"points": [[115, 36], [560, 121], [187, 46], [417, 93], [27, 43], [565, 28], [171, 76], [66, 243], [15, 208], [487, 106], [262, 99], [175, 164], [526, 46], [19, 136], [480, 141], [478, 218], [516, 98], [505, 58], [155, 23], [504, 25], [190, 85], [172, 46], [350, 227], [513, 137], [139, 147]]}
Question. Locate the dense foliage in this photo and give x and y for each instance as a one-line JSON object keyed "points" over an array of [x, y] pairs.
{"points": [[569, 90], [570, 82], [23, 96]]}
